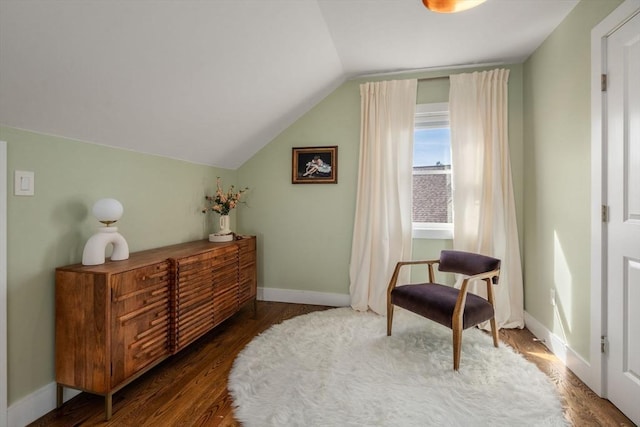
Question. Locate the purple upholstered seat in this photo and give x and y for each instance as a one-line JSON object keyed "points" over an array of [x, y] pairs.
{"points": [[437, 302], [454, 308]]}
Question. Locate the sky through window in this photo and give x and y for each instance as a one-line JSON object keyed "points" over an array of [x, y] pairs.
{"points": [[431, 146]]}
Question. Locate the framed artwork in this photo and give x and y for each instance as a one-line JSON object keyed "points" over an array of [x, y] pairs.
{"points": [[314, 165]]}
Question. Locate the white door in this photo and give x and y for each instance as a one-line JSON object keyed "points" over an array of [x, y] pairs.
{"points": [[623, 241]]}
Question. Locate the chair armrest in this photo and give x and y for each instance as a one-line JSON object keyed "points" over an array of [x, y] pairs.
{"points": [[400, 264], [487, 275], [462, 296], [426, 261]]}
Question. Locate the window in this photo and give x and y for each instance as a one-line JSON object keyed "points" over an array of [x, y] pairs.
{"points": [[432, 196]]}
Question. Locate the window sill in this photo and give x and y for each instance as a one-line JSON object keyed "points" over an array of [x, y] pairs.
{"points": [[432, 231]]}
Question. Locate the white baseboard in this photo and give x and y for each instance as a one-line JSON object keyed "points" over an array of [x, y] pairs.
{"points": [[568, 356], [36, 404], [304, 297], [43, 400]]}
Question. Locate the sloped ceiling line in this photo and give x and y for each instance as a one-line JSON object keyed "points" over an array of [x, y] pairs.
{"points": [[215, 81]]}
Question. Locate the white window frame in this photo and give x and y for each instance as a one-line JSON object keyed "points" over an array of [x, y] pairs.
{"points": [[427, 116]]}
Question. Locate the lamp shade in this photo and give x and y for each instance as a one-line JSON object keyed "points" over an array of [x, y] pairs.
{"points": [[108, 210]]}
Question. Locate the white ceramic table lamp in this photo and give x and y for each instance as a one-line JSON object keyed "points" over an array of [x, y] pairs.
{"points": [[107, 211]]}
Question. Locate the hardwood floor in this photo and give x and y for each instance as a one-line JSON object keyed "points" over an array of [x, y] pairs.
{"points": [[582, 406], [190, 388]]}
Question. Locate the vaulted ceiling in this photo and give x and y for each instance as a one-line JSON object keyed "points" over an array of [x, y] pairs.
{"points": [[213, 81]]}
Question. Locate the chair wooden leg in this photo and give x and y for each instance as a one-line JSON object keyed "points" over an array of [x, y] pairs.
{"points": [[389, 318], [457, 347], [494, 331], [492, 321]]}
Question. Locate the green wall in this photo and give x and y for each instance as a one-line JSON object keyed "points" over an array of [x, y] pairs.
{"points": [[162, 200], [305, 230], [558, 175]]}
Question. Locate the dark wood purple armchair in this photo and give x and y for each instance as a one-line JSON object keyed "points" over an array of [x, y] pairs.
{"points": [[454, 308]]}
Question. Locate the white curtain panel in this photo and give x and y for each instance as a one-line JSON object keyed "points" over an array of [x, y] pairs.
{"points": [[483, 204], [382, 227]]}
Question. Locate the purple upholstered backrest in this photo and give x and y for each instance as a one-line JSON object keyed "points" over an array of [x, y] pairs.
{"points": [[467, 263]]}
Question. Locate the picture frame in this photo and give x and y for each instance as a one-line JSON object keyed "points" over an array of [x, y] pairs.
{"points": [[314, 165]]}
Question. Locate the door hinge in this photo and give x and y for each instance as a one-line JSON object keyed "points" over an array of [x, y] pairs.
{"points": [[604, 211], [603, 82], [604, 344]]}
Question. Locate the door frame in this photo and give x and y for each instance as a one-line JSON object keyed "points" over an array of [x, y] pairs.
{"points": [[599, 34], [3, 285]]}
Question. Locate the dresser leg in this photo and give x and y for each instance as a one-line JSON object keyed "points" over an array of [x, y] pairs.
{"points": [[107, 406], [59, 390], [255, 308]]}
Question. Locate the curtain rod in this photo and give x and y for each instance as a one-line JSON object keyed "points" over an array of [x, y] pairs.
{"points": [[447, 68], [424, 79]]}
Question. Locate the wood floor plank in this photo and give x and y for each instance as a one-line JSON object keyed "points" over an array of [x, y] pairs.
{"points": [[190, 388]]}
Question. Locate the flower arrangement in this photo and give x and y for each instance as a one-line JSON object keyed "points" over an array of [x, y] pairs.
{"points": [[222, 202]]}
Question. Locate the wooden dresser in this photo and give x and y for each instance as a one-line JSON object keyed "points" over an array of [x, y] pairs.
{"points": [[117, 320]]}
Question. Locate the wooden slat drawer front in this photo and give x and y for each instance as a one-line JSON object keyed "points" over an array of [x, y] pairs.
{"points": [[194, 298], [188, 282], [224, 256], [247, 262], [232, 265], [247, 286], [246, 245], [140, 335], [225, 304], [194, 326], [247, 276], [155, 300], [193, 301], [247, 254], [139, 350], [194, 283], [214, 256], [247, 272], [195, 286], [194, 312], [192, 335], [192, 262], [247, 290], [130, 283], [188, 273], [225, 278]]}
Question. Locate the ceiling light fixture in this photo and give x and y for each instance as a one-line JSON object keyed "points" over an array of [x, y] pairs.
{"points": [[451, 6]]}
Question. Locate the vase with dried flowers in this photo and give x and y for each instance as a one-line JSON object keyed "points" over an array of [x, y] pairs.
{"points": [[223, 202]]}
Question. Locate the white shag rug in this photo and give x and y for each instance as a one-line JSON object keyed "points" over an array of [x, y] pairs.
{"points": [[338, 368]]}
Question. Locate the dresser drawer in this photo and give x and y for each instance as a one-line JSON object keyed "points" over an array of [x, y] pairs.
{"points": [[215, 257], [131, 283], [140, 337], [225, 257], [246, 245], [247, 272], [247, 290], [225, 304]]}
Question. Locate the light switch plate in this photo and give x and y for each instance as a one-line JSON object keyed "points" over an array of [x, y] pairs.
{"points": [[24, 183]]}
